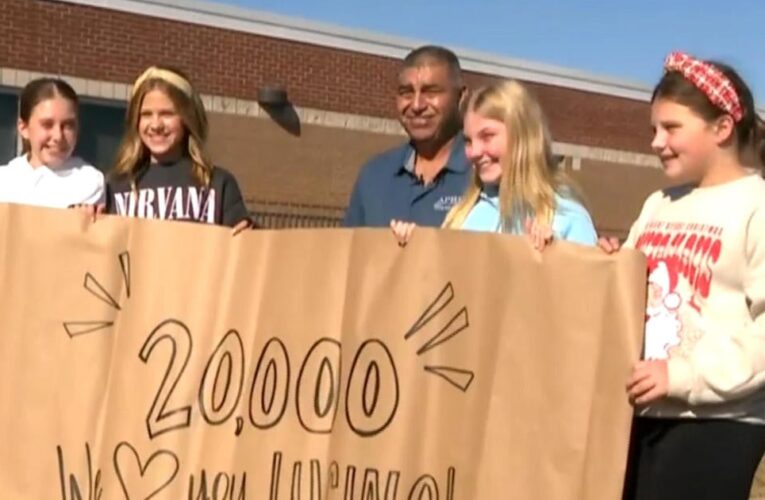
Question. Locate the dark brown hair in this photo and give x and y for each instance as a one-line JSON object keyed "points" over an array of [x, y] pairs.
{"points": [[749, 131], [39, 90]]}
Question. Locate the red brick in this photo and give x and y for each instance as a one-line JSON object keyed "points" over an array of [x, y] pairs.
{"points": [[101, 44]]}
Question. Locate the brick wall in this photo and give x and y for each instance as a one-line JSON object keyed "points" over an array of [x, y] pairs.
{"points": [[316, 166], [101, 44]]}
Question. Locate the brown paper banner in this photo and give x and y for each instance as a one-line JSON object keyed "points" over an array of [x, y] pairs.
{"points": [[143, 359]]}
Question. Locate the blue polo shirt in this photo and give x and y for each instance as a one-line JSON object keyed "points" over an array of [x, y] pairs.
{"points": [[387, 188]]}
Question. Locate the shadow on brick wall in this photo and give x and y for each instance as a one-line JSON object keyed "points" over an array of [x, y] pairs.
{"points": [[285, 116]]}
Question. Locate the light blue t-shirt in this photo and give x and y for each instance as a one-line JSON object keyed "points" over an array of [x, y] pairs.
{"points": [[571, 221]]}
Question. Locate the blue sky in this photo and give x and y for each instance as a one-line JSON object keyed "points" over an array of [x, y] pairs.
{"points": [[618, 38]]}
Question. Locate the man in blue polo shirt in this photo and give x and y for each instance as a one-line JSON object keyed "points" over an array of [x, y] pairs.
{"points": [[421, 180]]}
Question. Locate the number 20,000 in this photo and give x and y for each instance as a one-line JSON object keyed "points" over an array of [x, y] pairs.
{"points": [[371, 394]]}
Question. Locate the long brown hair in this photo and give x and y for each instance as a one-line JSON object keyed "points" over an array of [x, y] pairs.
{"points": [[530, 175], [134, 155]]}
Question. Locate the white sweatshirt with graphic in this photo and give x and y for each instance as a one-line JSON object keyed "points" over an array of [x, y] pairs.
{"points": [[706, 297]]}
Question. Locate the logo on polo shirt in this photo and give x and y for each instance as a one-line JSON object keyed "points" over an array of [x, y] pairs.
{"points": [[445, 203]]}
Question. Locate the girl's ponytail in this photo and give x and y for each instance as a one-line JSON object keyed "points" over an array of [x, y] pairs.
{"points": [[758, 141]]}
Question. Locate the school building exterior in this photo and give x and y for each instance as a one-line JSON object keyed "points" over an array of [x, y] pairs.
{"points": [[296, 162]]}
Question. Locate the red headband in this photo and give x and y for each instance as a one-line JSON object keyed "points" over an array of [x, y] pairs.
{"points": [[708, 79]]}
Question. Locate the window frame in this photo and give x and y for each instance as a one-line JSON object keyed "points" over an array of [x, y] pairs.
{"points": [[15, 92]]}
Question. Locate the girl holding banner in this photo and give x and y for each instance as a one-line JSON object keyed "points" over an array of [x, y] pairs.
{"points": [[163, 170], [47, 174], [516, 186], [699, 430]]}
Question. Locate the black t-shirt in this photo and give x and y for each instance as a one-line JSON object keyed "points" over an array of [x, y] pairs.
{"points": [[170, 192]]}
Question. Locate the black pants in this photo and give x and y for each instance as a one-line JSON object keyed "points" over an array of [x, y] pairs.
{"points": [[692, 459]]}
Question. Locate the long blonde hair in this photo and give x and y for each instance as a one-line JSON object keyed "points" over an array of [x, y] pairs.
{"points": [[530, 177], [132, 154]]}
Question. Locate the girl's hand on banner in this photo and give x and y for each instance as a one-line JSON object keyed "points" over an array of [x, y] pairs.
{"points": [[609, 245], [241, 226], [649, 382], [402, 231], [92, 210], [540, 235]]}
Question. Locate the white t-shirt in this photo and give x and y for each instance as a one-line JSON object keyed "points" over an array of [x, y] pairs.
{"points": [[72, 183]]}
